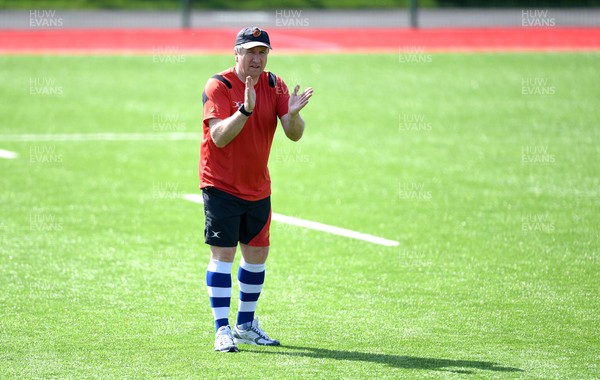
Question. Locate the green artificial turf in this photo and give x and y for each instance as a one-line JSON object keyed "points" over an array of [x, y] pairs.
{"points": [[482, 166]]}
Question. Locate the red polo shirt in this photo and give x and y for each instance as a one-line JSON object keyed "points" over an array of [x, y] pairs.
{"points": [[240, 168]]}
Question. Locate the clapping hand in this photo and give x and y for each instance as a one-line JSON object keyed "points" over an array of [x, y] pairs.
{"points": [[297, 102]]}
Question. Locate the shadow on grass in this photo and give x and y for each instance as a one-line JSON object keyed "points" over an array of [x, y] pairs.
{"points": [[398, 361]]}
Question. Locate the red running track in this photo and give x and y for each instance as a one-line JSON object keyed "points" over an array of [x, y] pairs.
{"points": [[148, 41]]}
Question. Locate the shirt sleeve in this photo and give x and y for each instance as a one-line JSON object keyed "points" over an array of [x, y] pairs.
{"points": [[216, 99], [283, 97]]}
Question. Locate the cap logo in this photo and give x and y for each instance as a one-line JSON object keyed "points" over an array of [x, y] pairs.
{"points": [[256, 33]]}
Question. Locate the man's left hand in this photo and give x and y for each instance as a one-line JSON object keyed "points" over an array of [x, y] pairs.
{"points": [[297, 102]]}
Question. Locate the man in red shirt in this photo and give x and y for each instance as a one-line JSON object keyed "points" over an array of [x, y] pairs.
{"points": [[241, 107]]}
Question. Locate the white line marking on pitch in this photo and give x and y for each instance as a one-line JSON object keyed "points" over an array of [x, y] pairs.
{"points": [[197, 198], [197, 136], [8, 154]]}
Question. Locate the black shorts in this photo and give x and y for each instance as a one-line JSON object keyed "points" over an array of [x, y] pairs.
{"points": [[230, 219]]}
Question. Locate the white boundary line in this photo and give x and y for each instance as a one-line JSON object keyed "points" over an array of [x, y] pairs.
{"points": [[196, 136], [8, 154], [197, 198]]}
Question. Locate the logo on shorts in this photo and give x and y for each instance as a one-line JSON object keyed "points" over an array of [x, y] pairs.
{"points": [[238, 104], [215, 234]]}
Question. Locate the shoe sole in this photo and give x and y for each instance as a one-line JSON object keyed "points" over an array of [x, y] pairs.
{"points": [[253, 343], [229, 349]]}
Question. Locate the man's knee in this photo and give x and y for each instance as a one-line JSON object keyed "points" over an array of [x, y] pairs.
{"points": [[222, 253], [254, 255]]}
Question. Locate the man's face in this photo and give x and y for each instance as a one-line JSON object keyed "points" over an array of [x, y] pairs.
{"points": [[253, 61]]}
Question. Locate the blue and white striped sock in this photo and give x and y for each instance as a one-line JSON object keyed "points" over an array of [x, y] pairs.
{"points": [[218, 283], [251, 278]]}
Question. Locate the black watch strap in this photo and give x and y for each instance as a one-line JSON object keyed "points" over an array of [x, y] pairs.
{"points": [[243, 111]]}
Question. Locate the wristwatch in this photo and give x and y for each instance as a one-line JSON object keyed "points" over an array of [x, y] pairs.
{"points": [[243, 111]]}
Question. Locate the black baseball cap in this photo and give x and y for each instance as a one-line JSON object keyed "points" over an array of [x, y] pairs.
{"points": [[251, 37]]}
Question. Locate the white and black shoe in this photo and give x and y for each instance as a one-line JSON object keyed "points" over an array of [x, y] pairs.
{"points": [[224, 340], [251, 333]]}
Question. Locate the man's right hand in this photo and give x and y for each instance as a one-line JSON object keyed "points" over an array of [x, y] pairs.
{"points": [[249, 95]]}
